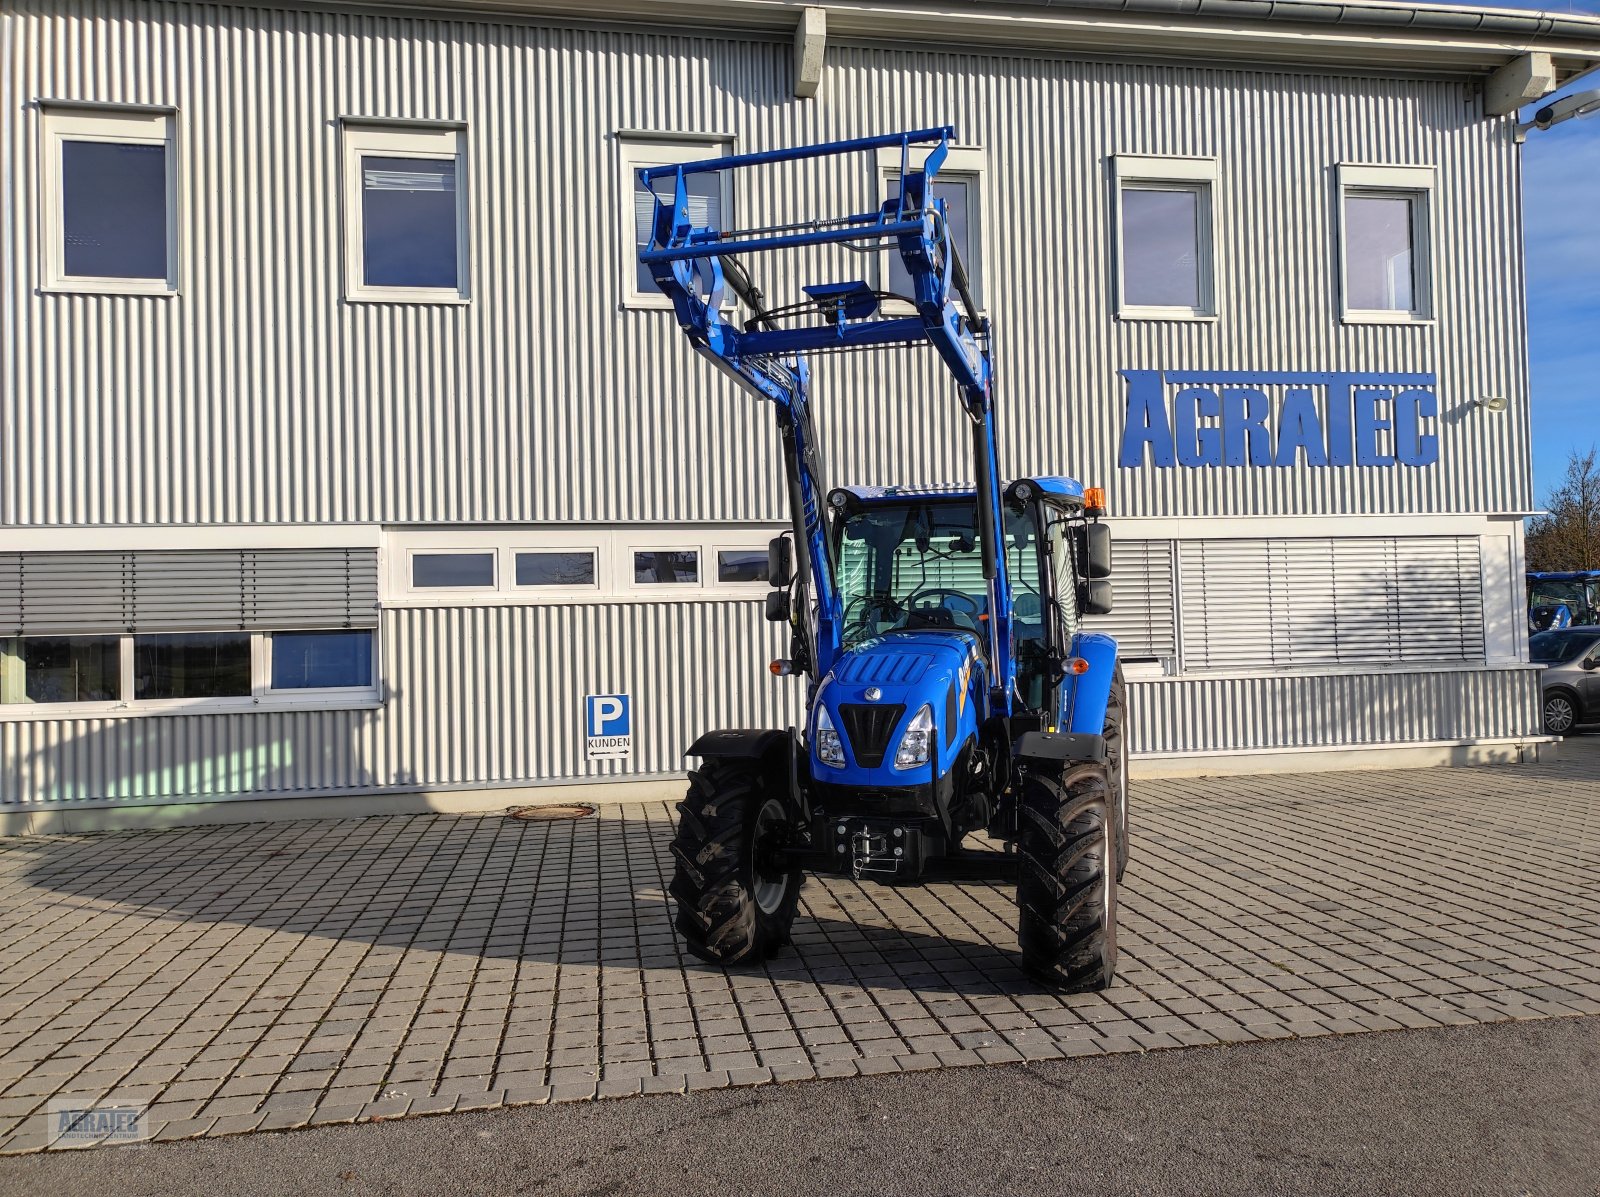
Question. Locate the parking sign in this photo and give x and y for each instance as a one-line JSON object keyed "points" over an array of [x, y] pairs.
{"points": [[608, 720]]}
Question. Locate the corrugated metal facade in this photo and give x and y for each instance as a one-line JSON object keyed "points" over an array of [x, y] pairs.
{"points": [[539, 402], [257, 395]]}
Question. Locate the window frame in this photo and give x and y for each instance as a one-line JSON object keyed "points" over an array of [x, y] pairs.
{"points": [[112, 124], [554, 592], [612, 546], [967, 163], [717, 548], [262, 696], [415, 551], [264, 661], [698, 548], [1196, 175], [436, 140], [1416, 183], [640, 148]]}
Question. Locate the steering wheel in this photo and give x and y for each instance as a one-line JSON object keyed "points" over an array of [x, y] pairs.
{"points": [[862, 608], [974, 608]]}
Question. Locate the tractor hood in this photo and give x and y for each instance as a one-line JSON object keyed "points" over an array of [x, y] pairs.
{"points": [[875, 691]]}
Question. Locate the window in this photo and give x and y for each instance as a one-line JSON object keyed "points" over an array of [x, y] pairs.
{"points": [[570, 569], [449, 570], [654, 567], [1384, 240], [405, 219], [199, 665], [960, 184], [110, 210], [60, 669], [1165, 233], [321, 660], [741, 565], [710, 200]]}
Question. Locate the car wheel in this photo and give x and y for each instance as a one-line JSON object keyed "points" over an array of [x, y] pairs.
{"points": [[1560, 713]]}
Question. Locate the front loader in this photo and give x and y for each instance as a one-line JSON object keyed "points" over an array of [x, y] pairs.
{"points": [[951, 688]]}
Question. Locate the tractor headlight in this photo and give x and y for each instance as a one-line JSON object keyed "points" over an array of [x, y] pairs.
{"points": [[830, 749], [917, 743]]}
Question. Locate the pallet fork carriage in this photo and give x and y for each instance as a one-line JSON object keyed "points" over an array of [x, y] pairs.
{"points": [[950, 686]]}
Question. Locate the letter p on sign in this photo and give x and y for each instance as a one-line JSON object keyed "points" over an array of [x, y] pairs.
{"points": [[608, 730]]}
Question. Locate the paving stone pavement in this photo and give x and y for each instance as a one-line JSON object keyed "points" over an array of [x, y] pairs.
{"points": [[276, 975]]}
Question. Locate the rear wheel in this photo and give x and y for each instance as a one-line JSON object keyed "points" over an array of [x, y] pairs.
{"points": [[736, 898], [1067, 888], [1117, 762]]}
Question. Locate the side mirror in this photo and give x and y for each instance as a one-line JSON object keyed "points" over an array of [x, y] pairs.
{"points": [[777, 606], [1096, 551], [1590, 663], [1097, 597], [780, 564]]}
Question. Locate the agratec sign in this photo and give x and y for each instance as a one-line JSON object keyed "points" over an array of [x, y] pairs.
{"points": [[1279, 418]]}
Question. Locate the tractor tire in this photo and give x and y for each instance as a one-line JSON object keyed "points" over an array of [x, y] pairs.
{"points": [[1067, 887], [1117, 764], [733, 908]]}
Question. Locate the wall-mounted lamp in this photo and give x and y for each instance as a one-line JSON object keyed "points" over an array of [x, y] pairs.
{"points": [[1582, 103], [1494, 403]]}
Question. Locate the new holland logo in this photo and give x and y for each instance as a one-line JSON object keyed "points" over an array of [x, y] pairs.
{"points": [[1197, 418]]}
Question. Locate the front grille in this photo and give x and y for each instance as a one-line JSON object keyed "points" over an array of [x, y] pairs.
{"points": [[868, 727]]}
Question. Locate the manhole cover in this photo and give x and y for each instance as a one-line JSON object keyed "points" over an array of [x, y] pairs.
{"points": [[539, 814]]}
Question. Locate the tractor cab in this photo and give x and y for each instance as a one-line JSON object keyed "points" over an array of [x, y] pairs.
{"points": [[1570, 598]]}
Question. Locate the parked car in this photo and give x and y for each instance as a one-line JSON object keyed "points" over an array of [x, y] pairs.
{"points": [[1571, 657]]}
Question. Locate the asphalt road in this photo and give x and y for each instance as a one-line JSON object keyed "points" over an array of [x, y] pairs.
{"points": [[1512, 1108]]}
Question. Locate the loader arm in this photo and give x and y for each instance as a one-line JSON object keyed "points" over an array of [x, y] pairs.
{"points": [[767, 354]]}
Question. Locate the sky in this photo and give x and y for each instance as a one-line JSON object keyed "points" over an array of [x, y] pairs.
{"points": [[1561, 190]]}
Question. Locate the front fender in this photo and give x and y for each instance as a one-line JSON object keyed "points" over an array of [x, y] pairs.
{"points": [[745, 743], [1085, 696]]}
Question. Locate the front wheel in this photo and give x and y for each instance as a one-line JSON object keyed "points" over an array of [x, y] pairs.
{"points": [[1067, 888], [736, 897], [1560, 713]]}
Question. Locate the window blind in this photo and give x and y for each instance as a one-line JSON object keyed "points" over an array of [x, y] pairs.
{"points": [[1141, 616], [215, 590], [1271, 603]]}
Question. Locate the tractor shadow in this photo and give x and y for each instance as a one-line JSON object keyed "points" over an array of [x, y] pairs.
{"points": [[590, 893]]}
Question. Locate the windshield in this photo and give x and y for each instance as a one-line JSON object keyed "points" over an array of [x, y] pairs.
{"points": [[910, 566], [1557, 648], [1579, 597]]}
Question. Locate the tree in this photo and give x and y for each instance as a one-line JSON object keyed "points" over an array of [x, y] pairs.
{"points": [[1568, 537]]}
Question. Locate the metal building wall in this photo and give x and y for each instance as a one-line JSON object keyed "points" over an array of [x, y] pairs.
{"points": [[541, 401], [259, 396], [478, 697]]}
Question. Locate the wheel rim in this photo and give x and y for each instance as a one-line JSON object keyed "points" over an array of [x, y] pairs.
{"points": [[769, 884], [1122, 778], [1557, 714], [1108, 874]]}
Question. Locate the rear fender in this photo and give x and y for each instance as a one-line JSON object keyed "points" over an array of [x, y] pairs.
{"points": [[1085, 696]]}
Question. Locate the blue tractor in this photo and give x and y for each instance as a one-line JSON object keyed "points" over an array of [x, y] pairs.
{"points": [[1563, 599], [951, 688]]}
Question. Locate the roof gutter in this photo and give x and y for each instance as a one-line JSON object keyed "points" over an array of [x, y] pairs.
{"points": [[1384, 35]]}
